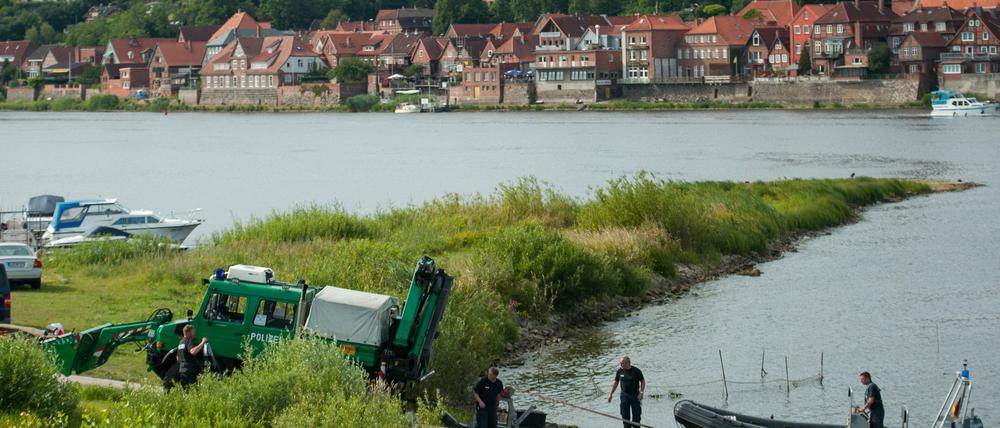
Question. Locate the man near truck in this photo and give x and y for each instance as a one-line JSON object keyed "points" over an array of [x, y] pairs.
{"points": [[633, 384], [188, 358], [486, 393]]}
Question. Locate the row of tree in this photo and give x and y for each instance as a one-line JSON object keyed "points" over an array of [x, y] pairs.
{"points": [[62, 22]]}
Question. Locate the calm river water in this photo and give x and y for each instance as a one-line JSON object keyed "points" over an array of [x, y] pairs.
{"points": [[907, 294]]}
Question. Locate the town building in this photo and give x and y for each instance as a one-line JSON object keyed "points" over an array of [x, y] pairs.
{"points": [[61, 63], [101, 11], [124, 80], [714, 48], [651, 47], [241, 24], [944, 21], [175, 65], [842, 37], [800, 30], [919, 53], [250, 70], [15, 52], [767, 52], [405, 20], [131, 51], [973, 49]]}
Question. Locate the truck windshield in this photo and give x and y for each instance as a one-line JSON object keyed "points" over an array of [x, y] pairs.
{"points": [[226, 308], [273, 314]]}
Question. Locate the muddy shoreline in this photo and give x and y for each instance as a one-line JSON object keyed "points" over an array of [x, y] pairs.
{"points": [[535, 335]]}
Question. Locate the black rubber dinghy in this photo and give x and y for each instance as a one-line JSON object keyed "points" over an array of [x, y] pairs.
{"points": [[693, 415]]}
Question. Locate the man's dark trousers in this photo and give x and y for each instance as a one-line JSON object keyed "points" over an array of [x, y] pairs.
{"points": [[631, 409], [486, 418]]}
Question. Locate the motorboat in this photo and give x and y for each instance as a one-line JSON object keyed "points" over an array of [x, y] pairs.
{"points": [[84, 217], [954, 104], [956, 411], [407, 108]]}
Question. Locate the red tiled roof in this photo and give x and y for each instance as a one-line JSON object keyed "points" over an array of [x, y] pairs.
{"points": [[432, 47], [239, 20], [845, 12], [182, 53], [272, 50], [780, 12], [464, 30], [18, 49], [354, 26], [122, 47], [507, 29], [928, 39], [619, 21], [404, 13], [201, 33], [815, 11], [521, 47], [656, 22], [570, 25], [929, 14], [958, 4], [733, 30], [769, 35]]}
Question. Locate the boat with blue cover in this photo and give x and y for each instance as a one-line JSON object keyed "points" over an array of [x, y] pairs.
{"points": [[954, 104]]}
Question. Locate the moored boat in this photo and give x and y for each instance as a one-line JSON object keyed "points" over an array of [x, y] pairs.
{"points": [[954, 104], [84, 217]]}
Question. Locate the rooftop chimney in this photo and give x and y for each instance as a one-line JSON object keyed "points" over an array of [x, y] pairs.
{"points": [[858, 39]]}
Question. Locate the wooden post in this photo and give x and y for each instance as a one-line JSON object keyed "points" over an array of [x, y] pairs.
{"points": [[788, 383], [762, 371], [821, 368], [725, 385]]}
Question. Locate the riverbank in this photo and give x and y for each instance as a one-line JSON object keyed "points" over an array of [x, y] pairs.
{"points": [[525, 257], [161, 105]]}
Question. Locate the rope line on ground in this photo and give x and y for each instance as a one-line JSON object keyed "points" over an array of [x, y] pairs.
{"points": [[586, 409]]}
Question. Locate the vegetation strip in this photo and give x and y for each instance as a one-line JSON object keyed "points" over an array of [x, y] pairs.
{"points": [[524, 254]]}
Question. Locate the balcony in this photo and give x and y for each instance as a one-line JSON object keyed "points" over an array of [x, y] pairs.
{"points": [[665, 80], [945, 56]]}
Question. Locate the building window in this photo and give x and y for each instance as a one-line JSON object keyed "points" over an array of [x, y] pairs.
{"points": [[805, 15], [816, 29], [840, 28], [715, 53], [756, 39], [724, 54], [914, 68], [642, 55], [829, 28], [784, 58], [631, 40], [797, 29], [952, 68], [644, 72], [642, 40], [819, 47], [856, 61], [939, 26], [993, 50], [908, 26], [805, 29], [986, 35], [968, 36], [980, 67], [125, 84], [798, 48], [923, 26]]}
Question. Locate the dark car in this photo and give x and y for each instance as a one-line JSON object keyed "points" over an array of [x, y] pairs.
{"points": [[5, 295]]}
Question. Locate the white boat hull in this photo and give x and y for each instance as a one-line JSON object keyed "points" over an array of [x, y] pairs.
{"points": [[965, 111], [177, 232]]}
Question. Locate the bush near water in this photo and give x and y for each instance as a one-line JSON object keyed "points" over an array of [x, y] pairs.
{"points": [[525, 249]]}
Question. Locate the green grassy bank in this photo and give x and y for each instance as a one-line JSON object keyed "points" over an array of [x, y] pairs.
{"points": [[524, 248]]}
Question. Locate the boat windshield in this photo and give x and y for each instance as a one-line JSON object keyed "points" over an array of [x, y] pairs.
{"points": [[71, 215], [107, 209]]}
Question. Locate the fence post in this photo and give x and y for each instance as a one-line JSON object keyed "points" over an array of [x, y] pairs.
{"points": [[821, 368], [788, 383], [725, 385]]}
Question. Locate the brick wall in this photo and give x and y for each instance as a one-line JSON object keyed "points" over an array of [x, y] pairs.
{"points": [[519, 93], [63, 91], [188, 96], [566, 91], [687, 92], [22, 93], [980, 84]]}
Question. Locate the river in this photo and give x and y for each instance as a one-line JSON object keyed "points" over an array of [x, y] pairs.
{"points": [[907, 293]]}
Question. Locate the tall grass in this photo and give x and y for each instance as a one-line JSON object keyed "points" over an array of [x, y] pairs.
{"points": [[523, 250]]}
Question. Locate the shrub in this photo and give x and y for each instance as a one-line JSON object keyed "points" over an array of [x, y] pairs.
{"points": [[101, 103], [296, 382], [66, 104], [111, 252], [362, 103], [29, 381]]}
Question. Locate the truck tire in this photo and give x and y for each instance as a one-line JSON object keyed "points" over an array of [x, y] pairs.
{"points": [[172, 376], [35, 283]]}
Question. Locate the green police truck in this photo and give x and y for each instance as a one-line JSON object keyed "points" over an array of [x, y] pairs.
{"points": [[245, 308]]}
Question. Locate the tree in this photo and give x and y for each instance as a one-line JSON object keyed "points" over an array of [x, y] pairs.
{"points": [[715, 9], [753, 15], [351, 70], [414, 70], [501, 11], [91, 75], [878, 59], [42, 35], [336, 16], [805, 63], [447, 12]]}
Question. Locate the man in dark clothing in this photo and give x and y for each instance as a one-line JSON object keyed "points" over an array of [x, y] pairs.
{"points": [[633, 384], [873, 402], [188, 358], [486, 393]]}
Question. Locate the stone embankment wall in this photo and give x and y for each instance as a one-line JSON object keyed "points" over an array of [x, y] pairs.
{"points": [[566, 92], [267, 96], [875, 91], [979, 84], [519, 93], [189, 96], [304, 96], [63, 91], [22, 93]]}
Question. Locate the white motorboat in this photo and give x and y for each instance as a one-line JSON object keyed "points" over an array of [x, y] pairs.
{"points": [[407, 108], [954, 104], [84, 217]]}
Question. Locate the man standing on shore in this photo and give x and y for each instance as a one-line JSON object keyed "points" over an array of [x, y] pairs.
{"points": [[188, 358], [485, 393], [633, 384], [873, 402]]}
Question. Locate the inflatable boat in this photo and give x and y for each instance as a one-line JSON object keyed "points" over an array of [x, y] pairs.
{"points": [[693, 415]]}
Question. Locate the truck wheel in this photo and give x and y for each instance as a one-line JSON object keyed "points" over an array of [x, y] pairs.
{"points": [[36, 283], [172, 376]]}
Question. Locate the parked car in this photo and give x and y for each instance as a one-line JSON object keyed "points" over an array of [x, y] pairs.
{"points": [[21, 264], [5, 295]]}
